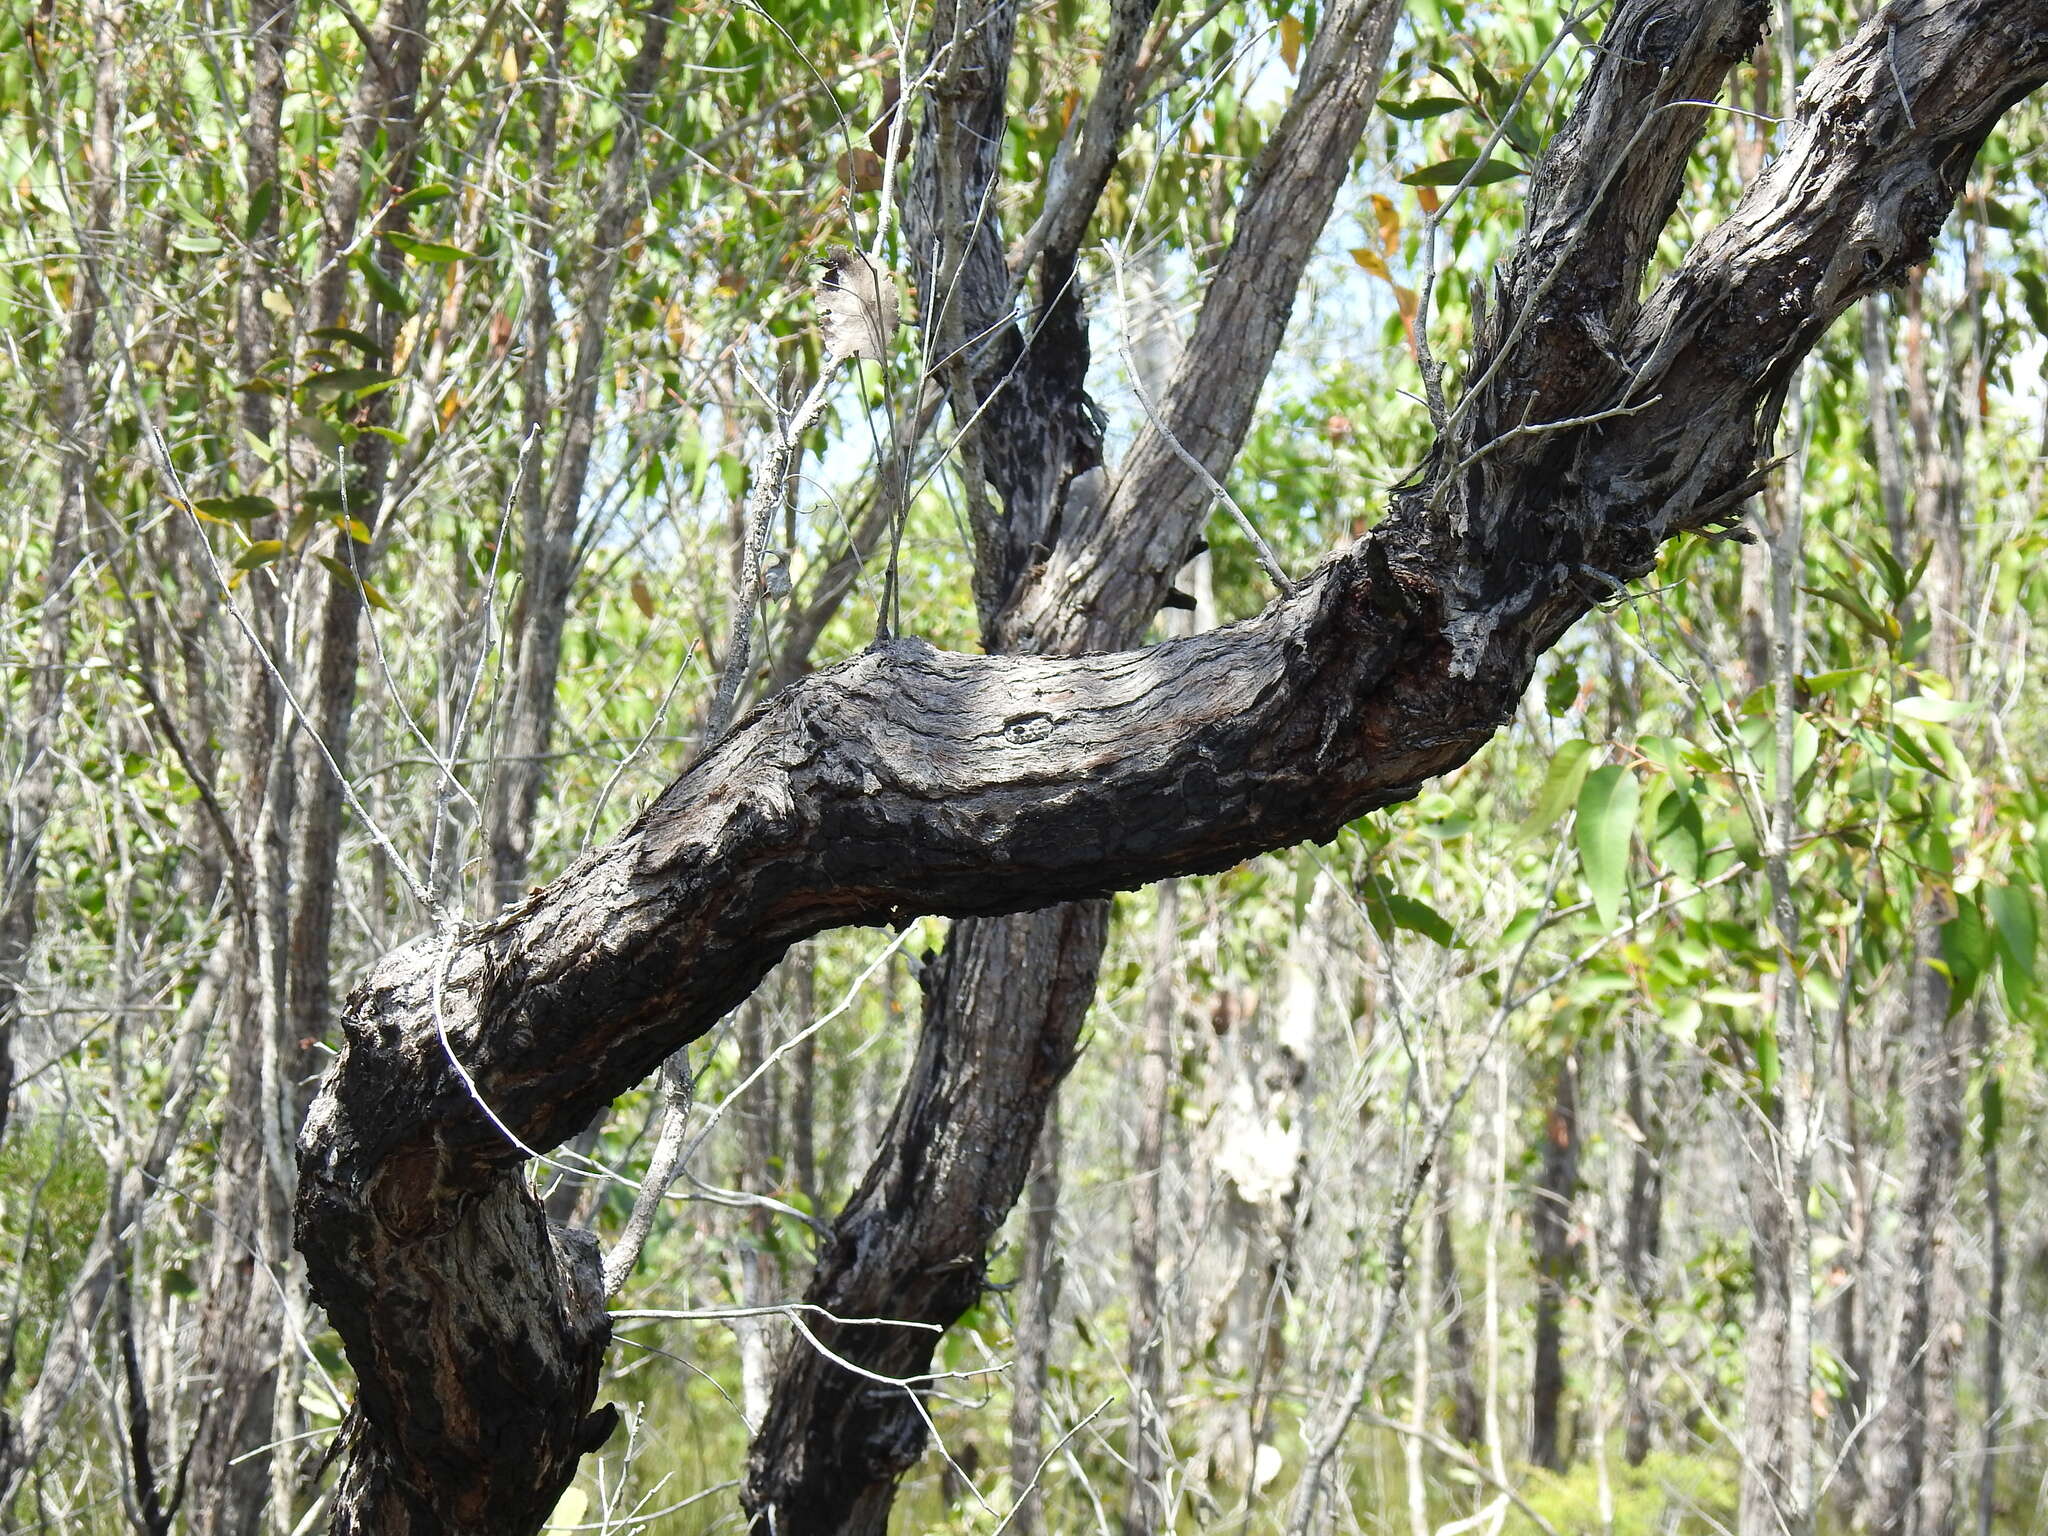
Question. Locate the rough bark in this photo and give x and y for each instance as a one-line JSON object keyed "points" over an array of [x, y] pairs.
{"points": [[910, 781], [1642, 1245], [1037, 1298], [1556, 1256], [1036, 434], [1992, 1109], [1911, 1482], [1144, 1510], [912, 1243]]}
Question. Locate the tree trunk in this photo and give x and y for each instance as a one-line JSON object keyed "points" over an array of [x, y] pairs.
{"points": [[1911, 1479], [912, 1242], [1993, 1112], [1145, 1508], [1468, 1426], [1642, 1243], [1556, 1253], [1037, 1294], [548, 521]]}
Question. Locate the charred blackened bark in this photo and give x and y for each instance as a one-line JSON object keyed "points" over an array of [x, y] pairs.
{"points": [[912, 1243], [908, 781]]}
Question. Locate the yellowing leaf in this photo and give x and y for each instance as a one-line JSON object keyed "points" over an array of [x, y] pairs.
{"points": [[1389, 218], [1372, 261], [1290, 40]]}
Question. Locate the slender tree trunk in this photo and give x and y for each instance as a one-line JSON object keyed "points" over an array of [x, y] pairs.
{"points": [[1037, 1295], [1145, 1509], [1556, 1254], [1468, 1426], [1913, 1435], [912, 1243], [32, 787], [1993, 1112], [548, 523], [760, 1277], [1642, 1244]]}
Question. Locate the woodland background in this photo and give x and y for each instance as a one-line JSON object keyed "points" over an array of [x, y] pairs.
{"points": [[421, 361]]}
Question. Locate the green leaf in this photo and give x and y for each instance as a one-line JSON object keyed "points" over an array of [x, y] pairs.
{"points": [[1607, 818], [1421, 107], [1992, 1122], [1561, 689], [1560, 788], [1681, 838], [370, 594], [243, 508], [1449, 173], [1966, 947], [382, 288], [419, 197], [348, 381], [427, 250], [356, 339], [260, 205], [262, 552], [1420, 917], [2017, 934], [1929, 709], [1881, 626]]}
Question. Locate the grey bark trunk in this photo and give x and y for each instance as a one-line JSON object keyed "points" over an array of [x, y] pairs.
{"points": [[1642, 1247], [1556, 1255], [1145, 1508], [1911, 1479], [1037, 1294], [1468, 1423]]}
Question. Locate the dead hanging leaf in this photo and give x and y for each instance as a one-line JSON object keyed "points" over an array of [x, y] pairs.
{"points": [[885, 128], [642, 598], [860, 170], [856, 306], [1428, 198], [1372, 261], [1290, 41], [1389, 218]]}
